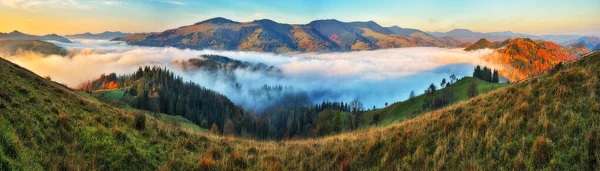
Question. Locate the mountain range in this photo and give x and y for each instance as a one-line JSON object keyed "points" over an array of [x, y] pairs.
{"points": [[465, 35], [16, 35], [589, 42], [270, 36], [104, 35]]}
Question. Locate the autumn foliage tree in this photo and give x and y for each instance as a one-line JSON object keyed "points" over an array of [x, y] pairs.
{"points": [[229, 128], [214, 129], [112, 85]]}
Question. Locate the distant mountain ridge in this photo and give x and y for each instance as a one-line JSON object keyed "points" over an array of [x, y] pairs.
{"points": [[466, 35], [16, 35], [589, 42], [103, 35], [270, 36]]}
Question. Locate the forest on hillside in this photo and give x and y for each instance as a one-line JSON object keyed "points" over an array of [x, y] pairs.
{"points": [[294, 116], [158, 90]]}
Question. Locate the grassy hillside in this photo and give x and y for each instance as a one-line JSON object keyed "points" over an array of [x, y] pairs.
{"points": [[14, 47], [549, 123], [401, 111], [46, 126]]}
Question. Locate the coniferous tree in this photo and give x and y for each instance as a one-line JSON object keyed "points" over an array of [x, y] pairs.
{"points": [[495, 78], [443, 84], [472, 89], [477, 72], [453, 79]]}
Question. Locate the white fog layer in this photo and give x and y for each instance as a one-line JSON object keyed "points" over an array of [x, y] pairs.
{"points": [[374, 77]]}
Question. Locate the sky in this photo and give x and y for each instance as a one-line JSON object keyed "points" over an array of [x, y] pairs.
{"points": [[523, 16]]}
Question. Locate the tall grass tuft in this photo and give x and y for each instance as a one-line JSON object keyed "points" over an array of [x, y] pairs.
{"points": [[541, 151], [140, 121]]}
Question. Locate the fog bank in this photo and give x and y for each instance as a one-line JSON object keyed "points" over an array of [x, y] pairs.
{"points": [[375, 77]]}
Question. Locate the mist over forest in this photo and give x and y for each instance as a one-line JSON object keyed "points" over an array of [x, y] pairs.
{"points": [[374, 77]]}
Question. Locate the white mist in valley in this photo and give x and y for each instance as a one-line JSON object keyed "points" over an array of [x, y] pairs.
{"points": [[374, 77]]}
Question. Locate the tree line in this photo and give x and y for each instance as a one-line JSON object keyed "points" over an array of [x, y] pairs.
{"points": [[435, 99], [486, 74], [158, 90]]}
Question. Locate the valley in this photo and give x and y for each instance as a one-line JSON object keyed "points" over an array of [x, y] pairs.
{"points": [[299, 85], [69, 120]]}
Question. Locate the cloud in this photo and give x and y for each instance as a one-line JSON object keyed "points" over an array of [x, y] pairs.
{"points": [[174, 2], [375, 77], [259, 14], [114, 3], [57, 4]]}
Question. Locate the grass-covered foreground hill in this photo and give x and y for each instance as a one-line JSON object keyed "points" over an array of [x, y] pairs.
{"points": [[551, 122]]}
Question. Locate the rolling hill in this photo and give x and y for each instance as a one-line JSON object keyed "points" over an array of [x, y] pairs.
{"points": [[14, 47], [104, 35], [480, 44], [16, 35], [407, 109], [269, 36], [527, 57], [548, 122]]}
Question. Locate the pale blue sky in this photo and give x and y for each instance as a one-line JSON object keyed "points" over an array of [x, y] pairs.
{"points": [[526, 16]]}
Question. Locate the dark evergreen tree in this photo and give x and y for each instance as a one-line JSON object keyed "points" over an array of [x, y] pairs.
{"points": [[495, 78], [472, 90], [477, 72]]}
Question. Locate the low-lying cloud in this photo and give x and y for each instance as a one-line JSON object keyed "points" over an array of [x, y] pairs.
{"points": [[375, 77]]}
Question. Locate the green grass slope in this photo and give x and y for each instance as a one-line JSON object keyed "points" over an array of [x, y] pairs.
{"points": [[113, 97], [46, 126], [400, 111]]}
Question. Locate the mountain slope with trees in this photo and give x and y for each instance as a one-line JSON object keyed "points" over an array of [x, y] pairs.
{"points": [[14, 47], [158, 90], [523, 57], [269, 36]]}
